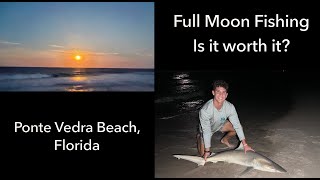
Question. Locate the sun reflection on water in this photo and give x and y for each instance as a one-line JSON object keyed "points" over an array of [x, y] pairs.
{"points": [[79, 88], [183, 83], [79, 79]]}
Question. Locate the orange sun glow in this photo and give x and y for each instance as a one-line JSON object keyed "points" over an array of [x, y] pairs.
{"points": [[77, 57]]}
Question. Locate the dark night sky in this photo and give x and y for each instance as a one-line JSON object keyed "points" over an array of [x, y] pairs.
{"points": [[175, 45]]}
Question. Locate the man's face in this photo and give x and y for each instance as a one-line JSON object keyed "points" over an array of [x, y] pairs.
{"points": [[220, 94]]}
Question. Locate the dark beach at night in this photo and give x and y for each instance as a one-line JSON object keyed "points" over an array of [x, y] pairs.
{"points": [[278, 112]]}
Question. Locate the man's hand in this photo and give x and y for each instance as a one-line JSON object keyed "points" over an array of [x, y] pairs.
{"points": [[246, 148], [206, 155]]}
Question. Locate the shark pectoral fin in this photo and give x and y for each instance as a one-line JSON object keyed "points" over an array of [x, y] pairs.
{"points": [[240, 147], [246, 171], [211, 159]]}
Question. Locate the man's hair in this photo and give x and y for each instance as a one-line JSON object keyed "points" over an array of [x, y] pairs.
{"points": [[220, 83]]}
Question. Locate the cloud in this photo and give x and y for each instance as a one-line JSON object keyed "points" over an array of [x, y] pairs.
{"points": [[147, 52], [9, 43], [103, 53], [61, 51], [144, 54], [55, 46], [72, 51], [100, 53]]}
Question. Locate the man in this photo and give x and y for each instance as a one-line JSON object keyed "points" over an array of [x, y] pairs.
{"points": [[219, 115]]}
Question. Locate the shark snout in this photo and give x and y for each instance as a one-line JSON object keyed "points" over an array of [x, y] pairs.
{"points": [[277, 168], [281, 170]]}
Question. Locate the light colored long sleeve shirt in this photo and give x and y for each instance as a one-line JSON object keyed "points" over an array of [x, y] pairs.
{"points": [[212, 120]]}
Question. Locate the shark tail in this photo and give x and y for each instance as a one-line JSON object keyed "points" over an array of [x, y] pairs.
{"points": [[196, 159]]}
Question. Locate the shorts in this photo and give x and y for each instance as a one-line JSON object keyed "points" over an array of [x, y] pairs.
{"points": [[214, 128]]}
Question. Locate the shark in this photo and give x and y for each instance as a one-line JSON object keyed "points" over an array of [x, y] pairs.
{"points": [[250, 159]]}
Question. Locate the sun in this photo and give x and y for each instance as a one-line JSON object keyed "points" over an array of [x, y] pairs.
{"points": [[77, 57]]}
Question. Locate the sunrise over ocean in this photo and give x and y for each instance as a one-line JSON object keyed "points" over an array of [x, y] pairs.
{"points": [[77, 46]]}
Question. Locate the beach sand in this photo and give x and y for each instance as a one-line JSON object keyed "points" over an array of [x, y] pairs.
{"points": [[288, 134]]}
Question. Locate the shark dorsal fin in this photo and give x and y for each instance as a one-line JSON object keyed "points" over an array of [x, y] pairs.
{"points": [[240, 147]]}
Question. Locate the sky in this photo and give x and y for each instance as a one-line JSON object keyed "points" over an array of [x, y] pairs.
{"points": [[77, 34]]}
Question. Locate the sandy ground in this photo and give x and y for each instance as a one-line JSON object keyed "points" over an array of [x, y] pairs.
{"points": [[291, 139]]}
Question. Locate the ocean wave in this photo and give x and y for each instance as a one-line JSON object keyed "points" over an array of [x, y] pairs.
{"points": [[169, 117], [23, 76], [179, 97], [165, 117]]}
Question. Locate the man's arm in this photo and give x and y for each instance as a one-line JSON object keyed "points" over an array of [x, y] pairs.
{"points": [[234, 119], [204, 117], [246, 147]]}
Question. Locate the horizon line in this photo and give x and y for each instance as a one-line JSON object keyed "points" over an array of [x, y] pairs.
{"points": [[74, 67]]}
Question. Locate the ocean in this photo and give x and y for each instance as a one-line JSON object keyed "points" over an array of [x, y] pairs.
{"points": [[181, 92], [37, 79]]}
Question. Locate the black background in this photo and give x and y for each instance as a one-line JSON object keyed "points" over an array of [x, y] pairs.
{"points": [[129, 155], [33, 154], [174, 46]]}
